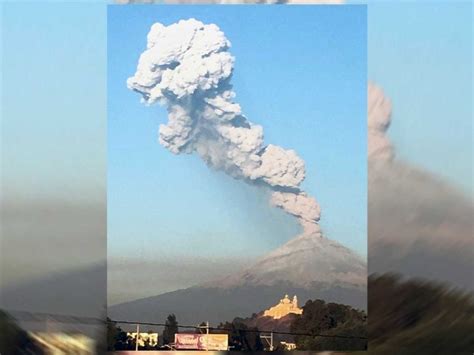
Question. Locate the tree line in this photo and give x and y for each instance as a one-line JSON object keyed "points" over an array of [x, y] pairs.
{"points": [[241, 337], [409, 316], [406, 316], [318, 317]]}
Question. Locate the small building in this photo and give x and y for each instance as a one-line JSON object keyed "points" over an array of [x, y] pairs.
{"points": [[288, 346], [145, 338], [283, 308]]}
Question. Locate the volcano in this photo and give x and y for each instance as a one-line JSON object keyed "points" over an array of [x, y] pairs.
{"points": [[310, 266]]}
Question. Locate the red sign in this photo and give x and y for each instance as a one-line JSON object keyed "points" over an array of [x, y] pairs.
{"points": [[186, 341]]}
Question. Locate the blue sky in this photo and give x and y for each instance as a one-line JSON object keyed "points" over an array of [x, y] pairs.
{"points": [[54, 108], [53, 141], [300, 73], [421, 54], [54, 101]]}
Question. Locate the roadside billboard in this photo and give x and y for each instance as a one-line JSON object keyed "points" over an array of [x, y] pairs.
{"points": [[188, 341], [216, 341]]}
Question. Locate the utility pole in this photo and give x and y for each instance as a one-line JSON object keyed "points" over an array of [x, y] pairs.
{"points": [[271, 341], [207, 336], [268, 339], [138, 334]]}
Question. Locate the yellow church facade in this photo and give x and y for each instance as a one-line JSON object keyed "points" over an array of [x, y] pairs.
{"points": [[285, 307]]}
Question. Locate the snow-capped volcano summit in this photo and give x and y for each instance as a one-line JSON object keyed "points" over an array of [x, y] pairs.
{"points": [[309, 266], [301, 262]]}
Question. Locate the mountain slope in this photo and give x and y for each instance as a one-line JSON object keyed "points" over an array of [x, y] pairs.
{"points": [[301, 262], [308, 266], [79, 292], [419, 225]]}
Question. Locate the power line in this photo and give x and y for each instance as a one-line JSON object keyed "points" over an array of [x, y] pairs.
{"points": [[244, 330], [62, 318]]}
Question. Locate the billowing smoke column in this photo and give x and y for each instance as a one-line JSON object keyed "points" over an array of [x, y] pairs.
{"points": [[187, 68], [379, 110]]}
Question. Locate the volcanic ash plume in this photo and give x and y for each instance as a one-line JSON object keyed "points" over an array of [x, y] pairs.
{"points": [[187, 68], [379, 111]]}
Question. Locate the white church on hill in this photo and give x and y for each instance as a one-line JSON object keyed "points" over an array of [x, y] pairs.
{"points": [[284, 308]]}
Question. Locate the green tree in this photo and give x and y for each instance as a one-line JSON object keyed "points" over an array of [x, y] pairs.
{"points": [[117, 339], [171, 328], [330, 319], [235, 340], [241, 337]]}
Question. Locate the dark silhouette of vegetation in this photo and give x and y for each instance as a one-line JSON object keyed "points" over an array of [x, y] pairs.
{"points": [[171, 328], [117, 339], [240, 338], [13, 339], [409, 317], [418, 317], [320, 317]]}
